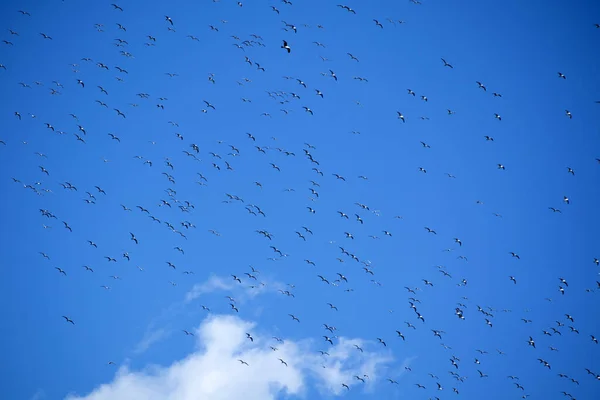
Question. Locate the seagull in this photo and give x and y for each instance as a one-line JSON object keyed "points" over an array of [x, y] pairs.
{"points": [[61, 271], [347, 8], [446, 64]]}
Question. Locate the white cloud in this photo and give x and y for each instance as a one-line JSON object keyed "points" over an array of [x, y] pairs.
{"points": [[241, 291], [38, 395], [158, 328], [345, 362], [212, 371], [150, 337]]}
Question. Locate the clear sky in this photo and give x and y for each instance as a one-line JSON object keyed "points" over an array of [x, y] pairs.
{"points": [[160, 156]]}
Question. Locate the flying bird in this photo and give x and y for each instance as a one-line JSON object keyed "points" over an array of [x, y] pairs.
{"points": [[446, 64]]}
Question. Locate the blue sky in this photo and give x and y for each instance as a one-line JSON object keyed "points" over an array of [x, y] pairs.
{"points": [[127, 338]]}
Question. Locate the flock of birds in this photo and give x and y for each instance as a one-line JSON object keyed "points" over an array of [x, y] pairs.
{"points": [[180, 220]]}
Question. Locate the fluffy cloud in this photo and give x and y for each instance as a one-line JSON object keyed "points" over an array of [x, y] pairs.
{"points": [[213, 370], [159, 330]]}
